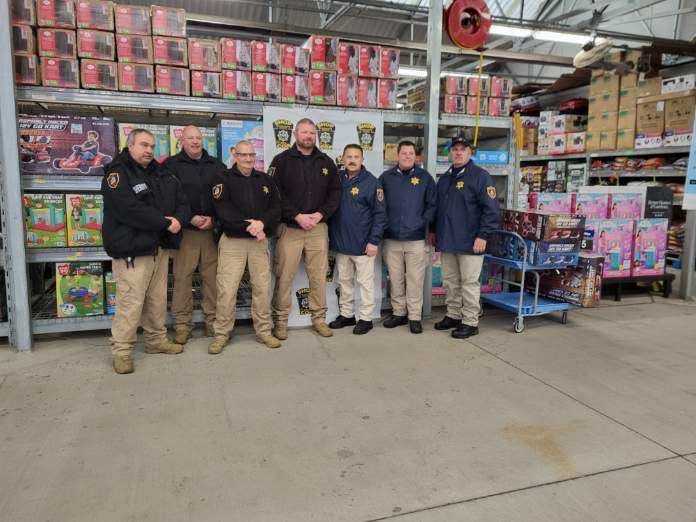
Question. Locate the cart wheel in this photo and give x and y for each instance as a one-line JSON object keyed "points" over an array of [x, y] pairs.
{"points": [[564, 318], [518, 325]]}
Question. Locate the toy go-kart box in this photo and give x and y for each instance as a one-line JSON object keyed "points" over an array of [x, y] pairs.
{"points": [[85, 214], [79, 289], [615, 243], [580, 285], [649, 245], [65, 144], [160, 132], [535, 225], [44, 216]]}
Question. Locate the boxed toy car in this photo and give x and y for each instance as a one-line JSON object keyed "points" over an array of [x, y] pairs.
{"points": [[57, 43], [98, 45], [132, 19], [386, 93], [136, 77], [168, 21], [265, 86], [60, 72], [170, 51], [79, 289], [473, 101], [109, 293], [236, 85], [160, 132], [592, 206], [499, 106], [26, 69], [172, 80], [205, 84], [55, 13], [303, 58], [535, 225], [500, 87], [44, 216], [204, 54], [235, 54], [346, 90], [483, 90], [453, 104], [23, 41], [389, 63], [24, 12], [552, 202], [288, 58], [322, 88], [369, 61], [625, 205], [99, 74], [367, 93], [265, 56], [209, 135], [323, 52], [649, 245], [85, 214], [95, 14], [580, 285], [615, 242], [134, 48], [348, 58]]}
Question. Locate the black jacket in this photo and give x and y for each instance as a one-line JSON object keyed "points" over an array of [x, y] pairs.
{"points": [[136, 199], [196, 177], [306, 184], [237, 197]]}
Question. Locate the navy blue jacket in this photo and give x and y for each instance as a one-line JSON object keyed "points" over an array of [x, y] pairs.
{"points": [[361, 215], [411, 199], [467, 208]]}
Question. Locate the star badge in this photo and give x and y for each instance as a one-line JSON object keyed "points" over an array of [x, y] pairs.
{"points": [[355, 191], [459, 185], [325, 171], [415, 181], [265, 189]]}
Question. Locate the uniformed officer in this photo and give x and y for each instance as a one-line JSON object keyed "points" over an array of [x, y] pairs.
{"points": [[355, 232], [410, 195], [247, 210], [310, 192], [467, 214], [195, 168], [144, 207]]}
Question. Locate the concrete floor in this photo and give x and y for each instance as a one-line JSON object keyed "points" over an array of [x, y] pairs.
{"points": [[594, 420]]}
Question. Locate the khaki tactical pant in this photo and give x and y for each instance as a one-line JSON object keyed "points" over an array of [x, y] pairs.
{"points": [[406, 263], [362, 268], [198, 249], [460, 277], [233, 256], [141, 299], [292, 243]]}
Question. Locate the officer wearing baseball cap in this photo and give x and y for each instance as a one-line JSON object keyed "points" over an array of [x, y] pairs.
{"points": [[467, 215]]}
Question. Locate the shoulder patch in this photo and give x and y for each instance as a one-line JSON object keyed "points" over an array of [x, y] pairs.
{"points": [[217, 191], [271, 171], [113, 179], [491, 192], [380, 195]]}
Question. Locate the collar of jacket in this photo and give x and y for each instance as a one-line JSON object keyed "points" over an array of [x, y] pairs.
{"points": [[461, 170], [294, 151], [152, 168], [205, 158], [415, 170], [235, 170], [363, 172]]}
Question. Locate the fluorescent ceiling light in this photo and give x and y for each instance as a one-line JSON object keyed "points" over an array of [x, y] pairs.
{"points": [[461, 74], [509, 30], [556, 36], [412, 72]]}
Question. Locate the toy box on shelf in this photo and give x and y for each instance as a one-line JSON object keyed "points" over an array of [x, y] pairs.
{"points": [[560, 203], [535, 225], [615, 242], [209, 135], [580, 285], [44, 216], [109, 293], [650, 244], [79, 289], [160, 132], [85, 213], [592, 206]]}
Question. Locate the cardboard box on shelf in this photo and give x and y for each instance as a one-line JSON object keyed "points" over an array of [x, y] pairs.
{"points": [[369, 61], [615, 242], [322, 88], [265, 86], [454, 85], [682, 83], [389, 63], [99, 74], [625, 205], [647, 141], [545, 118], [557, 144], [658, 202], [79, 289], [60, 72], [24, 12], [136, 77], [323, 52], [236, 85], [209, 135], [367, 93], [607, 140], [26, 69], [55, 13], [627, 119], [473, 104], [170, 51], [386, 93], [453, 104], [65, 145], [531, 122], [650, 118], [592, 141], [649, 87], [629, 80], [132, 19], [160, 132], [348, 58], [288, 59], [606, 102], [204, 54], [580, 285], [44, 218], [23, 41], [576, 176], [608, 121], [501, 87], [550, 202], [172, 80], [346, 90], [109, 293], [95, 14], [566, 123], [57, 43], [499, 106], [302, 61], [265, 56], [235, 54], [205, 84], [134, 48], [547, 225], [592, 206], [628, 98], [679, 119], [544, 145], [479, 86], [98, 45], [604, 82], [575, 142], [625, 139], [168, 21], [85, 215], [649, 246]]}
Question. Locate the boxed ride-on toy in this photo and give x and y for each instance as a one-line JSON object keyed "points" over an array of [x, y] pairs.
{"points": [[65, 144], [85, 213], [45, 220], [79, 289], [580, 285]]}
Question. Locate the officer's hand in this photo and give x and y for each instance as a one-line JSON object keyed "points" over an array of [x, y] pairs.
{"points": [[305, 221], [479, 246], [207, 223], [174, 225], [255, 226], [316, 217], [432, 238], [197, 221], [371, 250]]}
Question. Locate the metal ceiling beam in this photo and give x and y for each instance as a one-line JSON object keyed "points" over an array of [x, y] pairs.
{"points": [[334, 17]]}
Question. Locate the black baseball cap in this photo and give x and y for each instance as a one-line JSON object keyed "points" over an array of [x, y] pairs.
{"points": [[460, 140]]}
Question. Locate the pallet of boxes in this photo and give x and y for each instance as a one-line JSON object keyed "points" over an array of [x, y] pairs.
{"points": [[489, 96]]}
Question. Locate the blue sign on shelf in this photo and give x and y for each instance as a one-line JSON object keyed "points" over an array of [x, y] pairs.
{"points": [[492, 157]]}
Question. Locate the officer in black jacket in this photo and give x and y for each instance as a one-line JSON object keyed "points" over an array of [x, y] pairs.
{"points": [[144, 207], [247, 209], [195, 169], [310, 192]]}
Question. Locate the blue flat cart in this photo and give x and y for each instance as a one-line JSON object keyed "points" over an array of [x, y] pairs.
{"points": [[522, 302]]}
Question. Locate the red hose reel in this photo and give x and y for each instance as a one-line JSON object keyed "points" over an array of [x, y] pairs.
{"points": [[468, 23]]}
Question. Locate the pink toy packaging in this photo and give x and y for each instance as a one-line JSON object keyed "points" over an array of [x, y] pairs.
{"points": [[650, 242], [590, 243], [615, 243], [625, 206], [592, 206], [551, 202]]}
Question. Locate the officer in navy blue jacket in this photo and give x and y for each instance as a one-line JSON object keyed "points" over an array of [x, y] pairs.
{"points": [[410, 194], [355, 232], [467, 215]]}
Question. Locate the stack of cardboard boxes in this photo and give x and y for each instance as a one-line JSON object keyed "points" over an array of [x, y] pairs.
{"points": [[561, 133], [490, 96], [667, 117], [530, 135]]}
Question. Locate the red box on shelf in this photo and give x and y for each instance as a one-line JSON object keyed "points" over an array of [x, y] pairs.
{"points": [[99, 74], [322, 88], [170, 51], [474, 86], [369, 63], [26, 69], [132, 19], [172, 80], [205, 84], [302, 61], [455, 85], [236, 85], [55, 13], [24, 12], [136, 77], [389, 63], [265, 56], [98, 45], [287, 89], [235, 54], [204, 54], [95, 14], [454, 104], [60, 72], [499, 106], [471, 102], [367, 93], [386, 93], [500, 87], [347, 90], [23, 41], [134, 48], [348, 58], [323, 52], [57, 43], [301, 89], [288, 58], [537, 225], [265, 86], [168, 21]]}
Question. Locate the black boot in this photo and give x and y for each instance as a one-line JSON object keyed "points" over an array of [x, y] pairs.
{"points": [[341, 321], [362, 327], [395, 320], [415, 326], [447, 323], [464, 331]]}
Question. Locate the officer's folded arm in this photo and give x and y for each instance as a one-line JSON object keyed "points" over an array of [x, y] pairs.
{"points": [[133, 212]]}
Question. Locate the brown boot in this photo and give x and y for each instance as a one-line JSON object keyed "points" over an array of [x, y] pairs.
{"points": [[280, 331], [218, 344], [322, 328], [268, 340], [209, 330], [167, 347], [123, 364], [182, 333]]}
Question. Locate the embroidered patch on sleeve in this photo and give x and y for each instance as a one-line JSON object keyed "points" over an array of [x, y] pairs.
{"points": [[217, 191], [112, 180], [491, 192], [271, 171]]}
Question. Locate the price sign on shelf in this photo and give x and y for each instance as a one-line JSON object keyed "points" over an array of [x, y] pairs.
{"points": [[690, 183]]}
